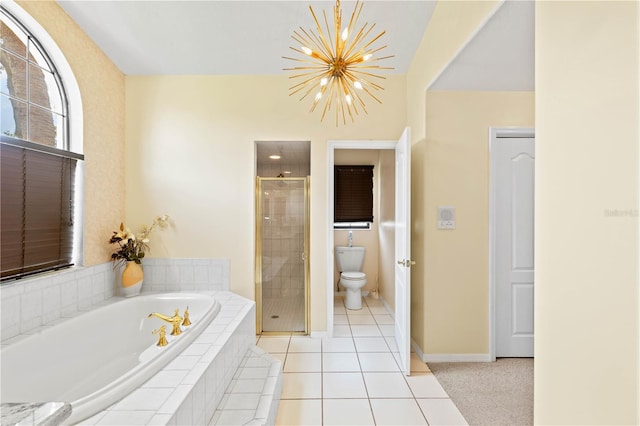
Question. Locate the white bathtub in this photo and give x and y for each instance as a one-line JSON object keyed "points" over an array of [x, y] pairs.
{"points": [[95, 359]]}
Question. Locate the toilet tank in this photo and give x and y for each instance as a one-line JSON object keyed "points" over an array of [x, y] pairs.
{"points": [[350, 259]]}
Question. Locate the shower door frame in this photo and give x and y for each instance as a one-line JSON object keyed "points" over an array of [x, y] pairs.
{"points": [[305, 254]]}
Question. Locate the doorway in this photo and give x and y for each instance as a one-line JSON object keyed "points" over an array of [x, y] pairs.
{"points": [[511, 281], [401, 259], [282, 238]]}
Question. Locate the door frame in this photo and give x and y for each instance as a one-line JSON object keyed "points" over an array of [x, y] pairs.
{"points": [[331, 147], [494, 134], [306, 253]]}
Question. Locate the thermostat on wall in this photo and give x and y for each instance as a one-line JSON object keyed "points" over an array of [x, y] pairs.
{"points": [[446, 217]]}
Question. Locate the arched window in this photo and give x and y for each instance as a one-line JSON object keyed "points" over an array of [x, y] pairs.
{"points": [[37, 166]]}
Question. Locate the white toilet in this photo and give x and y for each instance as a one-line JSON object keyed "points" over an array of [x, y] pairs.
{"points": [[349, 261]]}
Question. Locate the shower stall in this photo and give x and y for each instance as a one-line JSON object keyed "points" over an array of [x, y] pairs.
{"points": [[282, 252]]}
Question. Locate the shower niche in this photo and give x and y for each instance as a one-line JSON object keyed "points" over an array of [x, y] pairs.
{"points": [[282, 237]]}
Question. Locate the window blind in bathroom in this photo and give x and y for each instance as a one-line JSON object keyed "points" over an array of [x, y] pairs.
{"points": [[36, 211], [353, 194]]}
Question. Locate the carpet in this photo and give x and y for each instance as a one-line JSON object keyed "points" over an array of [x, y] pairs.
{"points": [[490, 393]]}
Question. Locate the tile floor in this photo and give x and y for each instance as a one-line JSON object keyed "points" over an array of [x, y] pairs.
{"points": [[354, 378]]}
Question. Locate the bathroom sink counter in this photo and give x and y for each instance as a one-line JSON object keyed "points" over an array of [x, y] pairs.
{"points": [[37, 414]]}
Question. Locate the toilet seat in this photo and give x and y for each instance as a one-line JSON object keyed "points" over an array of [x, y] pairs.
{"points": [[353, 276]]}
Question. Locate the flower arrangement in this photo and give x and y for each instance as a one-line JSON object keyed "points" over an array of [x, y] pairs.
{"points": [[132, 247]]}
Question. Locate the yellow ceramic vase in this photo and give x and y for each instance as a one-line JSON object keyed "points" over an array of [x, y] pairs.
{"points": [[132, 277]]}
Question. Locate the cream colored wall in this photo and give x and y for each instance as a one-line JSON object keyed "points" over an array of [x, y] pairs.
{"points": [[102, 89], [386, 229], [452, 24], [587, 360], [190, 154], [367, 238], [457, 174]]}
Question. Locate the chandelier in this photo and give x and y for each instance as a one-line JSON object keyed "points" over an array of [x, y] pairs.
{"points": [[338, 67]]}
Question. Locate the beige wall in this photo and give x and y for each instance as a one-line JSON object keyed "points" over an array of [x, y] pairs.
{"points": [[102, 89], [456, 173], [190, 154], [587, 360], [453, 23]]}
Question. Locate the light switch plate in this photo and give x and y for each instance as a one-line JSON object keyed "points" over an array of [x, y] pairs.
{"points": [[446, 217]]}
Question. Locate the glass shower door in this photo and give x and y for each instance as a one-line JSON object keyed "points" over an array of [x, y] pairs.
{"points": [[282, 229]]}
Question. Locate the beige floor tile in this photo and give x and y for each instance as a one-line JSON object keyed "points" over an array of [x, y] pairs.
{"points": [[340, 319], [274, 344], [305, 344], [384, 319], [365, 331], [387, 330], [441, 412], [341, 331], [361, 319], [347, 412], [294, 412], [397, 412], [340, 361], [417, 365], [425, 385], [281, 356], [371, 344], [343, 385], [302, 386], [387, 385], [338, 344], [303, 363], [378, 361]]}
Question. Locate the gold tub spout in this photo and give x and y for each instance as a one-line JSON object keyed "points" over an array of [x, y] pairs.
{"points": [[175, 320]]}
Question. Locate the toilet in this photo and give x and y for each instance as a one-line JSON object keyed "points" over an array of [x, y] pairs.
{"points": [[349, 261]]}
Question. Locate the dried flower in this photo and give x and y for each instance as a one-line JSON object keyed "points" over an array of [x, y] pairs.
{"points": [[132, 247]]}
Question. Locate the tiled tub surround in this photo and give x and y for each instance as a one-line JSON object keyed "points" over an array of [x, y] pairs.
{"points": [[94, 359], [188, 390], [30, 303]]}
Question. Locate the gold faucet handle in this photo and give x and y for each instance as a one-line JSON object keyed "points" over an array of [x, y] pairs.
{"points": [[186, 321], [162, 331]]}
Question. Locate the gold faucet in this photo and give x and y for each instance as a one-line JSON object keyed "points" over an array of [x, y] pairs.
{"points": [[162, 331], [175, 320]]}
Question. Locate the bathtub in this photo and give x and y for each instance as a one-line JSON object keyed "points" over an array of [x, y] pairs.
{"points": [[95, 359]]}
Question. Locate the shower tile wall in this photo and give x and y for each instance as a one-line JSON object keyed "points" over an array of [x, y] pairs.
{"points": [[283, 245]]}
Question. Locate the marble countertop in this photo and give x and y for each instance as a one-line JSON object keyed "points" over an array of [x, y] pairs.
{"points": [[30, 413]]}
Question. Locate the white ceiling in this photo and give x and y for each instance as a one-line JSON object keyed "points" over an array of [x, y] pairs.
{"points": [[250, 37]]}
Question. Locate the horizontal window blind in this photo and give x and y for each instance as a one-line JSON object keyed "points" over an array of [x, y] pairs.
{"points": [[36, 211], [353, 193]]}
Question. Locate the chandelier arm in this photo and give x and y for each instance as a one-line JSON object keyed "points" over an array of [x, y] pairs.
{"points": [[337, 24], [321, 43], [310, 40], [373, 40], [328, 101], [355, 15], [360, 36], [358, 56], [299, 86], [328, 44], [372, 95]]}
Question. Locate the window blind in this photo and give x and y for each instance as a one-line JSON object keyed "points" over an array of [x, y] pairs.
{"points": [[36, 211], [353, 193]]}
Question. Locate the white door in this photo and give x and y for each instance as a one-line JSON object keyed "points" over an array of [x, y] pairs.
{"points": [[512, 162], [403, 250]]}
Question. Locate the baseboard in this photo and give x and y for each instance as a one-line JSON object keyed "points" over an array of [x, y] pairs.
{"points": [[387, 307], [456, 358]]}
